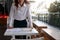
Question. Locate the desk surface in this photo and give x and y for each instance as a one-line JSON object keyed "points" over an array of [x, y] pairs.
{"points": [[53, 32], [40, 24], [20, 31]]}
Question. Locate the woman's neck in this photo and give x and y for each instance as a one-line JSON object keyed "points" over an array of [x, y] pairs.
{"points": [[21, 4]]}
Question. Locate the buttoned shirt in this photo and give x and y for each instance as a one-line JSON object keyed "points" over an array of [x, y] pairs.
{"points": [[20, 13]]}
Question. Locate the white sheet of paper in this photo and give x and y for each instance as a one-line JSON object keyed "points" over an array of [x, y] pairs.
{"points": [[20, 31]]}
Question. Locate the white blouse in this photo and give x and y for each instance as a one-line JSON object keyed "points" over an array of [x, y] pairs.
{"points": [[20, 13]]}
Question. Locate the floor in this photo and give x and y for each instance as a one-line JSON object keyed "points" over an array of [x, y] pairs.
{"points": [[2, 30]]}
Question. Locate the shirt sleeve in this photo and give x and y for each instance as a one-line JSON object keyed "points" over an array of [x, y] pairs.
{"points": [[11, 18], [29, 17]]}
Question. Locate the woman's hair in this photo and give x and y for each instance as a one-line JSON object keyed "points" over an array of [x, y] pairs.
{"points": [[16, 2]]}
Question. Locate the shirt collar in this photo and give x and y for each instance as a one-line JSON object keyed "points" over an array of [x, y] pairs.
{"points": [[22, 6]]}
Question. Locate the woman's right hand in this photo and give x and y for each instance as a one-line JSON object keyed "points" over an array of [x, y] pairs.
{"points": [[9, 27]]}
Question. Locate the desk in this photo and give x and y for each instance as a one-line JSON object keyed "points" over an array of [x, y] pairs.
{"points": [[39, 25], [51, 34], [20, 31]]}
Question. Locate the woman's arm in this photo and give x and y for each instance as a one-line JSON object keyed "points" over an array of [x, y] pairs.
{"points": [[11, 18], [29, 17]]}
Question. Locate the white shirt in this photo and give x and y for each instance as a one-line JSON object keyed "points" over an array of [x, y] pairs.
{"points": [[20, 14]]}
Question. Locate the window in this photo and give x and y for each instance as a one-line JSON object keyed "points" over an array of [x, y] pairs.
{"points": [[39, 8]]}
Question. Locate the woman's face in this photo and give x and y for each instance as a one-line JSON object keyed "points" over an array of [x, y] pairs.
{"points": [[21, 1]]}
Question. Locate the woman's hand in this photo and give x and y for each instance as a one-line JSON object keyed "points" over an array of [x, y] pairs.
{"points": [[31, 27], [9, 27]]}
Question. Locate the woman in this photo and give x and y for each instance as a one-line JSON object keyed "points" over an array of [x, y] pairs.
{"points": [[19, 13]]}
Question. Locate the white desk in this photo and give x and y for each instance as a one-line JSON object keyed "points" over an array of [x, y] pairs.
{"points": [[52, 33], [20, 31], [40, 24]]}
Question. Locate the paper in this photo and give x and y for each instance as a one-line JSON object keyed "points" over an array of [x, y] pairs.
{"points": [[19, 30]]}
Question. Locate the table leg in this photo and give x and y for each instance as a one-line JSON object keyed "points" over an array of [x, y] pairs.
{"points": [[13, 37], [28, 36]]}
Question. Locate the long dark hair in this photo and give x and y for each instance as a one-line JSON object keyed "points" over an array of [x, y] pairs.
{"points": [[16, 2]]}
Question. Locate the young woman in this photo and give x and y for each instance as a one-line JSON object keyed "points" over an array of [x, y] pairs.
{"points": [[20, 11]]}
